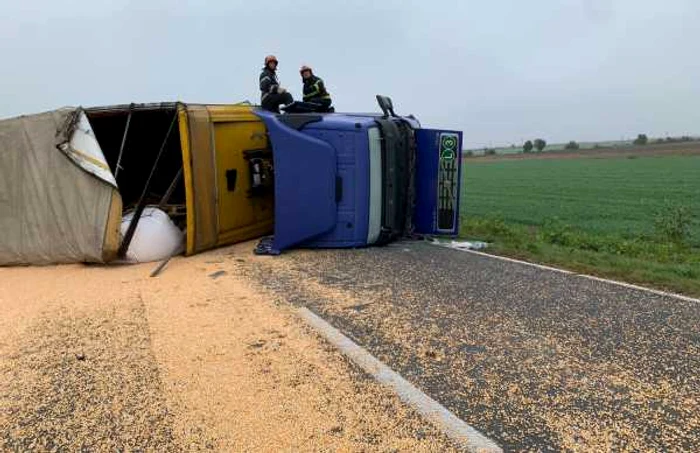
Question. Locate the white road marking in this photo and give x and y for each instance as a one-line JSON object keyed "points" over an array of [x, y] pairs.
{"points": [[590, 277], [456, 429]]}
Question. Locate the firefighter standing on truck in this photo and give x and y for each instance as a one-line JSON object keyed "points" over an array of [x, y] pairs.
{"points": [[315, 90], [271, 93]]}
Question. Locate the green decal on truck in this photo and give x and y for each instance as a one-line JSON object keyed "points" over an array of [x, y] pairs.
{"points": [[447, 182], [448, 145]]}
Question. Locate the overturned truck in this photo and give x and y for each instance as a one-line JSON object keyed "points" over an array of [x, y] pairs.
{"points": [[222, 174]]}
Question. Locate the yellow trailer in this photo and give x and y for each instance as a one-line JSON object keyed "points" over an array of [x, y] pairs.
{"points": [[216, 166]]}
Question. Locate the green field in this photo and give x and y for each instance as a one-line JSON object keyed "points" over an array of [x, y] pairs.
{"points": [[631, 218]]}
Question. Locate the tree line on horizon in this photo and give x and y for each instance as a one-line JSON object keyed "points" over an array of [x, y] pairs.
{"points": [[539, 144]]}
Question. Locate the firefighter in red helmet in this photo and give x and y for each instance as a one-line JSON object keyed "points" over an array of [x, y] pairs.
{"points": [[272, 95]]}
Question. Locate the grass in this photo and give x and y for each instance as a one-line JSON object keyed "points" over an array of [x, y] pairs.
{"points": [[631, 219]]}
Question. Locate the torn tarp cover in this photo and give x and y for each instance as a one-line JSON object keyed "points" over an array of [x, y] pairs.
{"points": [[58, 200], [77, 140]]}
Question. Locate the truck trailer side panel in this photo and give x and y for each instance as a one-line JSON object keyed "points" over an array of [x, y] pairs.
{"points": [[220, 209]]}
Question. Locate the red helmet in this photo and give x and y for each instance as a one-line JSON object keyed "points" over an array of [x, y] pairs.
{"points": [[270, 58], [305, 68]]}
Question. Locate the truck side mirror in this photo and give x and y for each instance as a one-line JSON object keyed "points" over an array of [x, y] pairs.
{"points": [[386, 105]]}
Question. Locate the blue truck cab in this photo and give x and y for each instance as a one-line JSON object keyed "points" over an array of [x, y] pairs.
{"points": [[355, 180]]}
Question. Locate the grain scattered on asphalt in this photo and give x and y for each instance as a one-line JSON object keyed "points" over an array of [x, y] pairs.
{"points": [[536, 360], [106, 358]]}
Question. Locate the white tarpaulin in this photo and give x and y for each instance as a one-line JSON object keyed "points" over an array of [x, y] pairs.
{"points": [[58, 199]]}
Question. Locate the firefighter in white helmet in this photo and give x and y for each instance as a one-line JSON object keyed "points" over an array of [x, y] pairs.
{"points": [[314, 89]]}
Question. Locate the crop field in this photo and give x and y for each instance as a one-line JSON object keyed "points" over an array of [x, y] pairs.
{"points": [[626, 216], [599, 195]]}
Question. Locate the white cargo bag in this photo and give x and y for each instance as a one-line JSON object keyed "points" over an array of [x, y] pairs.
{"points": [[156, 237]]}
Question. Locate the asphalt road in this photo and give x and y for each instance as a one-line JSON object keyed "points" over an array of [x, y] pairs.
{"points": [[535, 359]]}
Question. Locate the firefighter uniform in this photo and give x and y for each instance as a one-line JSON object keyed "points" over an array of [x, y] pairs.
{"points": [[315, 91], [271, 95]]}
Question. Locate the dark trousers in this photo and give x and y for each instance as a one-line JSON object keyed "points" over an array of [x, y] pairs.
{"points": [[273, 100], [324, 103]]}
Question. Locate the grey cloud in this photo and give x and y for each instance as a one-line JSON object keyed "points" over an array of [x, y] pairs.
{"points": [[501, 70]]}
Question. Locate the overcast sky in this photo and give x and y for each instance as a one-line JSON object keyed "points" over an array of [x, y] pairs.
{"points": [[500, 70]]}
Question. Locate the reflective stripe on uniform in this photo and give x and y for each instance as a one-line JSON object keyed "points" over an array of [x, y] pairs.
{"points": [[314, 93], [310, 96]]}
